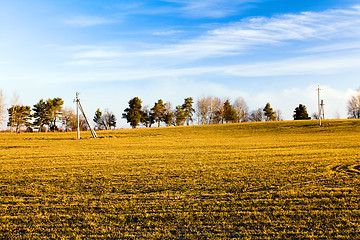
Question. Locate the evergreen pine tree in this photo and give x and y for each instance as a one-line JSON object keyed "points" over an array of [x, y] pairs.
{"points": [[269, 113], [133, 113], [229, 113], [301, 113]]}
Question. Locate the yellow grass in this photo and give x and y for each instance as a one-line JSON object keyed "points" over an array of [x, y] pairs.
{"points": [[251, 180]]}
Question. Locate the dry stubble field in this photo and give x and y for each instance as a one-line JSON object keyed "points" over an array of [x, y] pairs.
{"points": [[250, 180]]}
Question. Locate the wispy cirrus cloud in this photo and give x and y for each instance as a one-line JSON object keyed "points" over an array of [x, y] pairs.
{"points": [[239, 37], [288, 32], [167, 33], [88, 21], [312, 65], [301, 66], [97, 54], [211, 8], [335, 47]]}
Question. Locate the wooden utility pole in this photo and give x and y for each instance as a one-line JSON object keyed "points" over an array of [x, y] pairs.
{"points": [[319, 107], [77, 115], [322, 109], [79, 107]]}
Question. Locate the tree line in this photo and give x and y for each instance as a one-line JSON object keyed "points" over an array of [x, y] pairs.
{"points": [[208, 110], [160, 113], [45, 114]]}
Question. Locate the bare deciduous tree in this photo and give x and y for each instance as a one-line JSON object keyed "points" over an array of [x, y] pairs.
{"points": [[68, 119], [256, 115], [241, 109], [315, 115], [354, 105], [202, 109], [278, 115], [209, 110], [14, 101], [104, 121], [109, 119], [2, 107]]}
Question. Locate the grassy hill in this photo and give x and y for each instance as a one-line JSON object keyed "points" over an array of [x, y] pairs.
{"points": [[289, 179]]}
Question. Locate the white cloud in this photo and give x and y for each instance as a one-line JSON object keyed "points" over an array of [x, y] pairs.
{"points": [[97, 54], [288, 99], [81, 63], [212, 8], [309, 65], [166, 33], [335, 47], [317, 28], [119, 67], [88, 21], [287, 32], [120, 63]]}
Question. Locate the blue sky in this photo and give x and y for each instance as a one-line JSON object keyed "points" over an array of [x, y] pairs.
{"points": [[273, 51]]}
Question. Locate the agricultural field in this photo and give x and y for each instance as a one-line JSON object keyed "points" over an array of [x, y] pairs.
{"points": [[289, 179]]}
